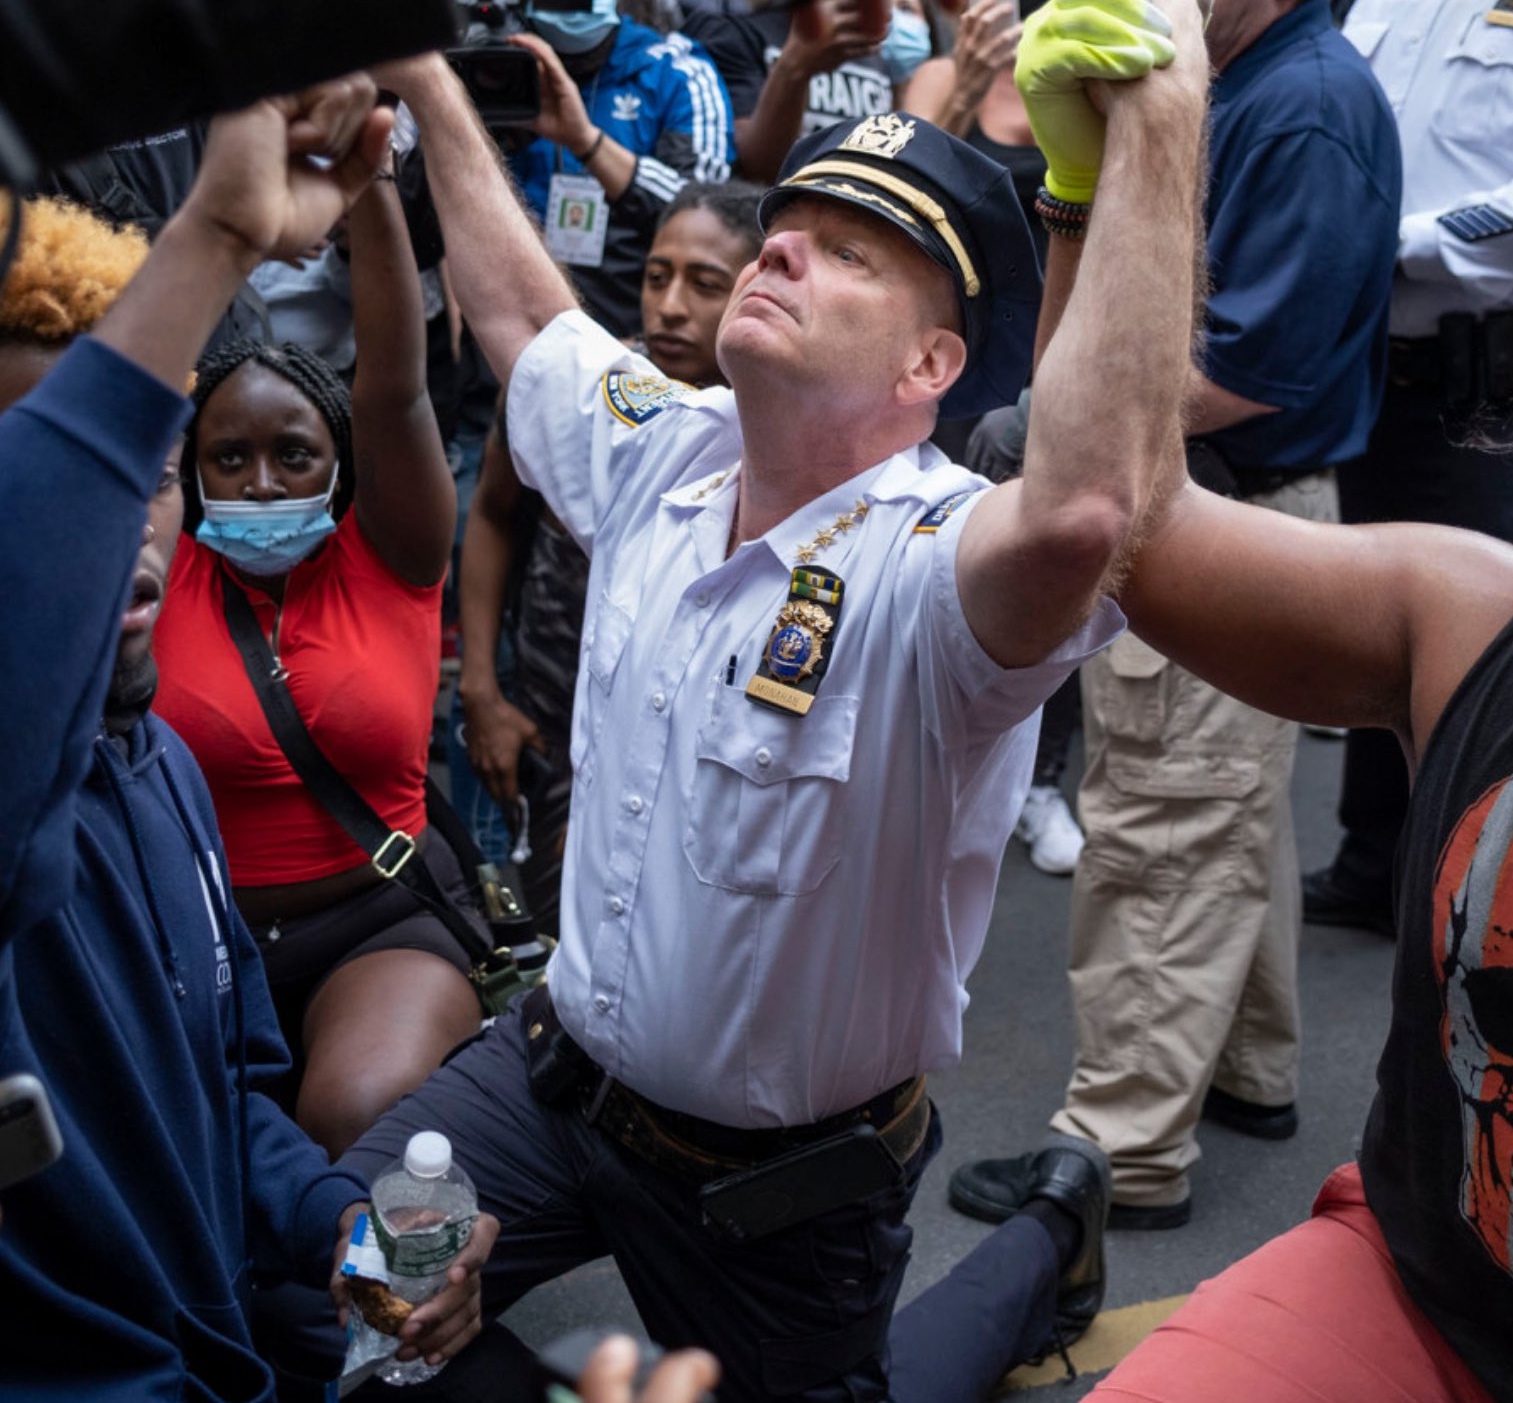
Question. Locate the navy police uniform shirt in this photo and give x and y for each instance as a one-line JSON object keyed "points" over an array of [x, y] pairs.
{"points": [[1304, 192]]}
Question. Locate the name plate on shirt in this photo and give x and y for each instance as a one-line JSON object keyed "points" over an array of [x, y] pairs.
{"points": [[1501, 13], [577, 219], [764, 689]]}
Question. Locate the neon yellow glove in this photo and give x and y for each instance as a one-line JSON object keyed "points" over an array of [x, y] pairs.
{"points": [[1066, 43]]}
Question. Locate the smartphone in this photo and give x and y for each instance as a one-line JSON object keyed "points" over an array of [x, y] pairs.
{"points": [[562, 1362], [802, 1184], [29, 1139]]}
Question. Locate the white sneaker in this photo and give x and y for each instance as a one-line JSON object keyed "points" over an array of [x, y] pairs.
{"points": [[1047, 828]]}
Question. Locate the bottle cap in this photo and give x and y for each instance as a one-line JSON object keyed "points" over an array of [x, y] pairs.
{"points": [[428, 1155]]}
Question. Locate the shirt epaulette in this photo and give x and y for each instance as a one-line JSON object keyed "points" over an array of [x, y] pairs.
{"points": [[939, 514]]}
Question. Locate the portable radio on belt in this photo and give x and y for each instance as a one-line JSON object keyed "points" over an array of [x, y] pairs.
{"points": [[817, 1178], [795, 659]]}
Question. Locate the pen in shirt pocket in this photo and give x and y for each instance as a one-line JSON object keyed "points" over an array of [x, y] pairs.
{"points": [[730, 668]]}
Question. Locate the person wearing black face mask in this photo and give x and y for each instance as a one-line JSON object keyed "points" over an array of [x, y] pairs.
{"points": [[627, 117]]}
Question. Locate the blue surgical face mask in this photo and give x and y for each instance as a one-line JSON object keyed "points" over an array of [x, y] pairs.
{"points": [[574, 31], [267, 538], [905, 46]]}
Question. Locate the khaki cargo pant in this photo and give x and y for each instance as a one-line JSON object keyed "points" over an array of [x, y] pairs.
{"points": [[1186, 906]]}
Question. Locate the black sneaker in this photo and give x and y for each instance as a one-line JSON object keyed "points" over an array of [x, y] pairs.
{"points": [[1074, 1174], [1250, 1117], [1329, 902], [992, 1189]]}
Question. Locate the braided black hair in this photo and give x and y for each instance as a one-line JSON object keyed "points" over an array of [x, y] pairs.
{"points": [[303, 369], [733, 202]]}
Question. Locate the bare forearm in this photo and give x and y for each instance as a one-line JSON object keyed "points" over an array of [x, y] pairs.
{"points": [[388, 319], [1210, 407], [1062, 261], [506, 283], [487, 555], [612, 165], [929, 91], [958, 112], [406, 500], [486, 558], [764, 138], [1117, 358]]}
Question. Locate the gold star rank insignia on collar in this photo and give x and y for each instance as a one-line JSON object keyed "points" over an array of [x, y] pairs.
{"points": [[794, 659], [825, 536]]}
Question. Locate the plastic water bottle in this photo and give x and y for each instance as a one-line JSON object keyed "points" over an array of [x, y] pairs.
{"points": [[424, 1208]]}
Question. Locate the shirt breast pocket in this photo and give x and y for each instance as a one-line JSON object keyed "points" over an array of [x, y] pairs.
{"points": [[1478, 96], [602, 651], [765, 814]]}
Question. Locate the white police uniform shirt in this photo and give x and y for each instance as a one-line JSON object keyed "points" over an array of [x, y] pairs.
{"points": [[766, 918], [1447, 69]]}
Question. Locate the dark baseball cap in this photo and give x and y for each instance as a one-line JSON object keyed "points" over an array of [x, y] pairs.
{"points": [[959, 206]]}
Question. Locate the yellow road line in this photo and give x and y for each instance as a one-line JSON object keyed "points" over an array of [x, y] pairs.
{"points": [[1109, 1338]]}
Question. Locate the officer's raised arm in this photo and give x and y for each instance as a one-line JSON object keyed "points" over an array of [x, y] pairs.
{"points": [[1108, 386], [507, 284]]}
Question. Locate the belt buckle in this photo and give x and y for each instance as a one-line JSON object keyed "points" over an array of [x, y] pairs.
{"points": [[390, 864]]}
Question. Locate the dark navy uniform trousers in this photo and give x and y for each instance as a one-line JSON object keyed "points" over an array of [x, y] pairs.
{"points": [[803, 1313]]}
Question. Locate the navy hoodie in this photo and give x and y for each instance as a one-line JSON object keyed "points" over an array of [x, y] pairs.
{"points": [[128, 984]]}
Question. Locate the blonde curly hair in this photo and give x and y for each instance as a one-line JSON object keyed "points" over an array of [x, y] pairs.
{"points": [[70, 267]]}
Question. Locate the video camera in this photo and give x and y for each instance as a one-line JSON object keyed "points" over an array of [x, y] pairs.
{"points": [[500, 78]]}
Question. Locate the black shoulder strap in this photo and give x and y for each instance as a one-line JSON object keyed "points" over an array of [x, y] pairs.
{"points": [[391, 852], [500, 892]]}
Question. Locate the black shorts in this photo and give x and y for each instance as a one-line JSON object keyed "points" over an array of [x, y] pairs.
{"points": [[301, 954]]}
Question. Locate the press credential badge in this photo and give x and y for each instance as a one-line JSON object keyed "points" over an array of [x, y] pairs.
{"points": [[577, 218]]}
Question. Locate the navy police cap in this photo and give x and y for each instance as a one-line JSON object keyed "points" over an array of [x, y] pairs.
{"points": [[959, 206]]}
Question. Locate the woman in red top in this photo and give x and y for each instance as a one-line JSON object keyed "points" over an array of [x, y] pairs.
{"points": [[371, 988]]}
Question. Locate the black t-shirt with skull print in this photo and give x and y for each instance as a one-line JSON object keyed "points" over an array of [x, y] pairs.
{"points": [[1437, 1157]]}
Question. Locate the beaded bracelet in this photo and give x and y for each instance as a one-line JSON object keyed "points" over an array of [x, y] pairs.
{"points": [[1064, 218]]}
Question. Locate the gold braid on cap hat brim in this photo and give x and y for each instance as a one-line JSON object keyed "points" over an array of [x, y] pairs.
{"points": [[916, 200]]}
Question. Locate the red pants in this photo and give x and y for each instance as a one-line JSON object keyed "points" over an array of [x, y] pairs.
{"points": [[1318, 1313]]}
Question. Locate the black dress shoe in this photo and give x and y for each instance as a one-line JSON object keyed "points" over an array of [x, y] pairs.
{"points": [[1326, 902], [1250, 1117], [992, 1189], [1075, 1175]]}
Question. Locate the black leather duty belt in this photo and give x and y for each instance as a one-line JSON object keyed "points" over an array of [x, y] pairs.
{"points": [[689, 1147], [1209, 467]]}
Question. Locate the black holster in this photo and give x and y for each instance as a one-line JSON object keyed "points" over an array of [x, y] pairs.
{"points": [[556, 1068]]}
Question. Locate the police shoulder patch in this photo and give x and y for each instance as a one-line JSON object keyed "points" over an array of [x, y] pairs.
{"points": [[940, 513], [634, 399]]}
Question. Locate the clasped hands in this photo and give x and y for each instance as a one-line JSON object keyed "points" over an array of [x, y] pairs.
{"points": [[1068, 48]]}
